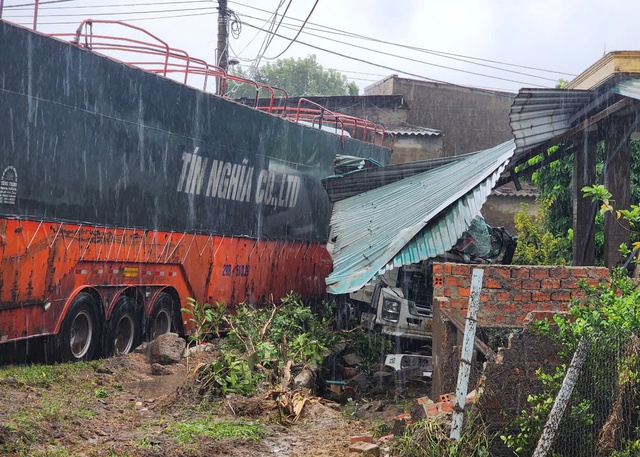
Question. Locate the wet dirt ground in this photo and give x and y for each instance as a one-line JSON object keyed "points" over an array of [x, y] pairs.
{"points": [[116, 407]]}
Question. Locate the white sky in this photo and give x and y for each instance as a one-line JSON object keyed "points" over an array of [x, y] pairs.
{"points": [[560, 35]]}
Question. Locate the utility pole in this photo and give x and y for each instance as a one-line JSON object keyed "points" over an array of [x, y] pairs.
{"points": [[222, 51]]}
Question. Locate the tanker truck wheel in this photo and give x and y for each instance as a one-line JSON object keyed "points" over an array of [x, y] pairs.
{"points": [[123, 328], [162, 318], [78, 336]]}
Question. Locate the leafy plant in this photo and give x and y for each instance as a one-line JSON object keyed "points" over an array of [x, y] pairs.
{"points": [[265, 343], [430, 438], [207, 319], [537, 245]]}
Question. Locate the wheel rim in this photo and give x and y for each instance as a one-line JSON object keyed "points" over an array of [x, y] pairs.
{"points": [[124, 335], [81, 334], [161, 323]]}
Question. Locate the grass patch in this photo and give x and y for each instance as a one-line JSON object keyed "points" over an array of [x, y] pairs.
{"points": [[45, 375], [185, 432]]}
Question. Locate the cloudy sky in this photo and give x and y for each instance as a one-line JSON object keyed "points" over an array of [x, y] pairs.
{"points": [[498, 44]]}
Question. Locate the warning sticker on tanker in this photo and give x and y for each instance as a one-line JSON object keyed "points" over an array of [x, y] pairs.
{"points": [[9, 186]]}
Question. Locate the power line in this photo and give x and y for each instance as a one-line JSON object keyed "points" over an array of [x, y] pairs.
{"points": [[376, 64], [104, 6], [429, 51], [33, 3], [119, 13], [406, 58], [297, 34], [424, 62]]}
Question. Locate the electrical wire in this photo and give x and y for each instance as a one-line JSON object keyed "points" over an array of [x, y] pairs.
{"points": [[414, 60], [118, 13], [429, 51], [385, 66], [33, 4], [103, 6], [278, 26], [271, 34], [297, 34], [421, 61]]}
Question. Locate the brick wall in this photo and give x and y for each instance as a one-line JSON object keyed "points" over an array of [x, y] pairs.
{"points": [[509, 293]]}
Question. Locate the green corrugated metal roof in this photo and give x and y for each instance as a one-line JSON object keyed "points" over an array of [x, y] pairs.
{"points": [[409, 220]]}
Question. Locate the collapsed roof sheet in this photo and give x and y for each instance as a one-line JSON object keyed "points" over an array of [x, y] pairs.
{"points": [[538, 115], [410, 220]]}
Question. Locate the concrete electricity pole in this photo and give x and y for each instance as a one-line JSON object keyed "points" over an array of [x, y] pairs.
{"points": [[222, 51]]}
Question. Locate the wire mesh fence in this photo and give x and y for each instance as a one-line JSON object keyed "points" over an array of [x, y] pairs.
{"points": [[602, 416]]}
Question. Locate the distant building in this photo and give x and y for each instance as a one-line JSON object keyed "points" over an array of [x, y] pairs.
{"points": [[469, 119]]}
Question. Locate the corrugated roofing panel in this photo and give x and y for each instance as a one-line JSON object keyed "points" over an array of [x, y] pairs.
{"points": [[413, 131], [630, 88], [538, 115], [410, 220]]}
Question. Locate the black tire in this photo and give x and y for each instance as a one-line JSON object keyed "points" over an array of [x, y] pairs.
{"points": [[123, 328], [162, 318], [78, 338]]}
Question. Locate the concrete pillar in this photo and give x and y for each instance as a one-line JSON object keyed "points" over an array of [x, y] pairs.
{"points": [[444, 339], [584, 174], [616, 171]]}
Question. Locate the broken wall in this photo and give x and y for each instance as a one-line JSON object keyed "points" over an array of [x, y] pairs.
{"points": [[508, 294]]}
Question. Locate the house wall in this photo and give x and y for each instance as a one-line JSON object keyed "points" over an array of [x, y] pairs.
{"points": [[470, 119], [500, 210], [411, 148]]}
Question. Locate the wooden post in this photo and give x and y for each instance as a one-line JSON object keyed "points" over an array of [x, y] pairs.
{"points": [[562, 400], [584, 174]]}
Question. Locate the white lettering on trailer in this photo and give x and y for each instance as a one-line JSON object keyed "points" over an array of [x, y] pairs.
{"points": [[234, 181]]}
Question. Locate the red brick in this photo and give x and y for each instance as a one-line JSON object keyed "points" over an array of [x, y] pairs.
{"points": [[568, 284], [539, 273], [453, 281], [520, 273], [528, 307], [491, 283], [502, 296], [502, 319], [531, 284], [431, 410], [550, 284], [599, 272], [541, 296], [500, 273], [561, 295], [438, 269], [463, 292], [365, 438], [579, 272], [521, 296], [446, 407], [463, 270], [593, 281], [560, 273]]}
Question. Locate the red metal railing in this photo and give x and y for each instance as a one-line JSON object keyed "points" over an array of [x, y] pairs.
{"points": [[154, 55]]}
